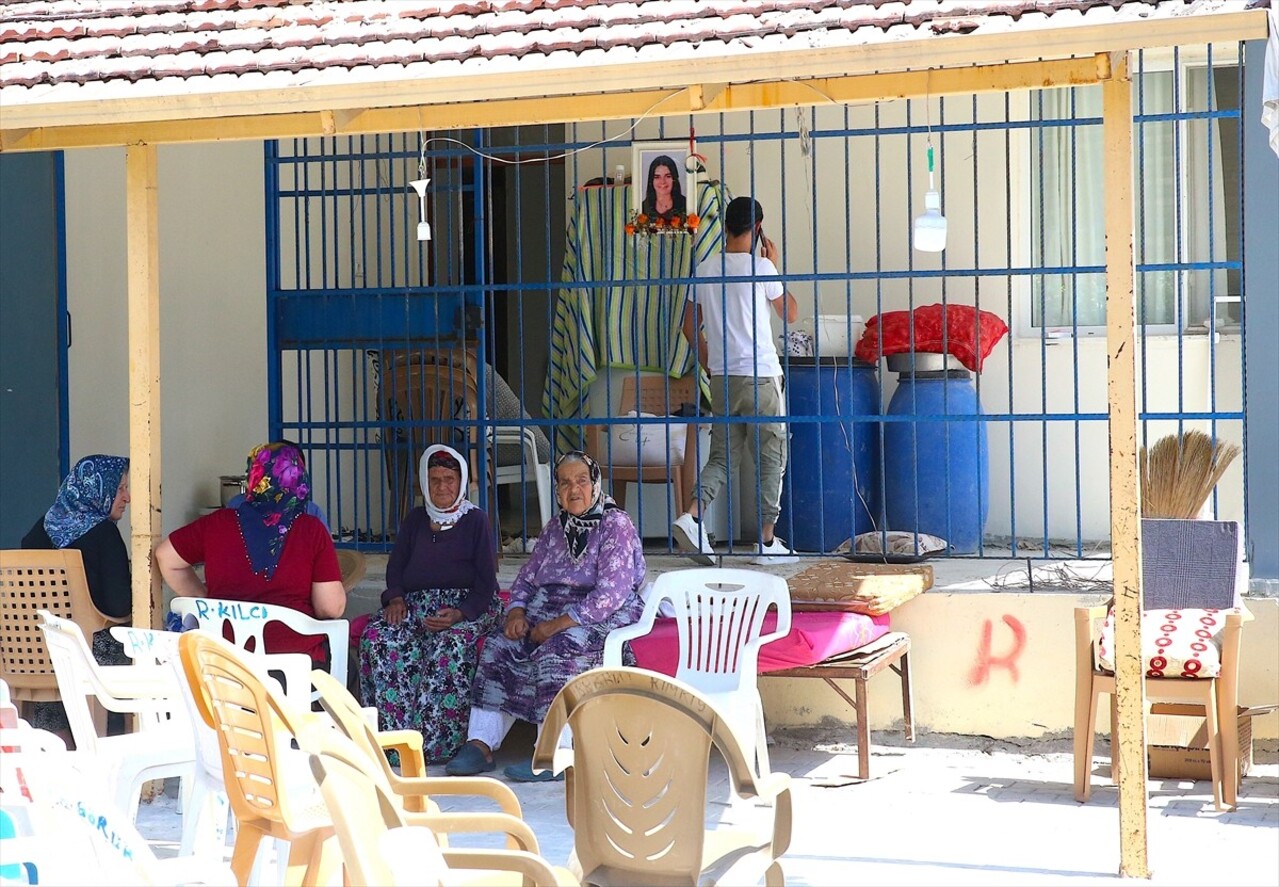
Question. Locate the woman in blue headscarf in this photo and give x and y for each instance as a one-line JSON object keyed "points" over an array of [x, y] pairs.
{"points": [[83, 516]]}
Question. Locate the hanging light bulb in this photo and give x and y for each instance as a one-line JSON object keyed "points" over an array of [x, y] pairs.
{"points": [[930, 228], [423, 226]]}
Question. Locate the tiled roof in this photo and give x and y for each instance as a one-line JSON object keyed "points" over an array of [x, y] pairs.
{"points": [[55, 51]]}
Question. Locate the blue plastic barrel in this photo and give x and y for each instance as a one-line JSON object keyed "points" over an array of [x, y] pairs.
{"points": [[830, 491], [935, 467]]}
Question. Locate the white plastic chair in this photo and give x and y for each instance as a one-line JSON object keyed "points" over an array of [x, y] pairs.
{"points": [[71, 833], [205, 808], [162, 746], [719, 615], [248, 619], [529, 468]]}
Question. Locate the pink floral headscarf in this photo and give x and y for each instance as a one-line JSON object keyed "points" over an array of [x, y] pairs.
{"points": [[277, 491]]}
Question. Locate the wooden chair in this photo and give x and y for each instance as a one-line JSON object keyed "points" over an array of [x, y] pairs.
{"points": [[353, 566], [650, 395], [1185, 564], [636, 784], [440, 395], [32, 580]]}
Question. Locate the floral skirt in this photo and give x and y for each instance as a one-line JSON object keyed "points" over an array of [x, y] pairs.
{"points": [[420, 679]]}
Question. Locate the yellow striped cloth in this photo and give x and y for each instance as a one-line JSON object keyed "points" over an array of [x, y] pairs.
{"points": [[612, 309]]}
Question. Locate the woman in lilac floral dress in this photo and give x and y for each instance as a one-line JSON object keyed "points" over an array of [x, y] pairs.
{"points": [[417, 657], [581, 582]]}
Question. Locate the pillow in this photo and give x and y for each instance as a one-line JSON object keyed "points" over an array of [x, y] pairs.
{"points": [[1174, 643]]}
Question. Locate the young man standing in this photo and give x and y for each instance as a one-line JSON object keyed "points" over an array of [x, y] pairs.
{"points": [[737, 350]]}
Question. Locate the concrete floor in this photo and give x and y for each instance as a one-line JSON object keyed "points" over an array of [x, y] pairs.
{"points": [[945, 815]]}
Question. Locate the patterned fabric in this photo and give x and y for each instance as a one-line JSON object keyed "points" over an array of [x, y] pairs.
{"points": [[440, 456], [1174, 643], [419, 679], [1191, 563], [614, 310], [52, 716], [277, 491], [577, 527], [600, 594], [85, 498]]}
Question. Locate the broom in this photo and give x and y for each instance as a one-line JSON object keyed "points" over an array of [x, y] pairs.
{"points": [[1179, 472]]}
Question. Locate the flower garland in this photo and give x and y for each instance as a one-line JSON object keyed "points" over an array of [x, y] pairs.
{"points": [[641, 224]]}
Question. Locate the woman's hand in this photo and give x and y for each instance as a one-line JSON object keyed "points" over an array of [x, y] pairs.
{"points": [[445, 617], [543, 631], [395, 611], [516, 625]]}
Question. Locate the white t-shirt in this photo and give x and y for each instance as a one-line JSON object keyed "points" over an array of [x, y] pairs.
{"points": [[737, 316]]}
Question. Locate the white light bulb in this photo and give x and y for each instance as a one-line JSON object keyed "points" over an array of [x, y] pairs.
{"points": [[423, 226], [930, 228]]}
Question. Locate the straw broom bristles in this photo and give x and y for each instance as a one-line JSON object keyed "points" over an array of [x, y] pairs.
{"points": [[1179, 472]]}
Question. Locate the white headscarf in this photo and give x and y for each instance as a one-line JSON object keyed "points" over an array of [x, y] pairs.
{"points": [[445, 517]]}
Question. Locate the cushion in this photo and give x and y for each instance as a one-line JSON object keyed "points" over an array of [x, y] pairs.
{"points": [[813, 637], [1174, 643]]}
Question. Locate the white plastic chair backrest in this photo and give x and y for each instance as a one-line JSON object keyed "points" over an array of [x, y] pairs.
{"points": [[80, 675], [161, 648], [719, 617], [247, 621]]}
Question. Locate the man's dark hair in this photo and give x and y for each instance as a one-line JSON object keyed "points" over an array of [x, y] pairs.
{"points": [[743, 214]]}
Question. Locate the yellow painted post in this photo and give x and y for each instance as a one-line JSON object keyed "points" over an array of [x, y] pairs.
{"points": [[1125, 511], [142, 210]]}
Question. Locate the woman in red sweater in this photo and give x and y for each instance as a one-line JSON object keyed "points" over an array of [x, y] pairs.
{"points": [[268, 550]]}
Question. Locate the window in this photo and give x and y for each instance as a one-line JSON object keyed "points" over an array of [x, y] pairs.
{"points": [[1186, 146]]}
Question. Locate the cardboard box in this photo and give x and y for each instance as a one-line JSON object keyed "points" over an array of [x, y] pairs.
{"points": [[1177, 739]]}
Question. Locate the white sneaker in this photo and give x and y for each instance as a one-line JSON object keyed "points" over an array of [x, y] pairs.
{"points": [[690, 536], [776, 552]]}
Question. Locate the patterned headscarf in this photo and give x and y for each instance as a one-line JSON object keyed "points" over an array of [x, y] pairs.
{"points": [[278, 488], [440, 456], [577, 527], [85, 498]]}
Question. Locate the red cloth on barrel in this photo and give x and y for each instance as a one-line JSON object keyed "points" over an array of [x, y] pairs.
{"points": [[813, 638], [970, 335]]}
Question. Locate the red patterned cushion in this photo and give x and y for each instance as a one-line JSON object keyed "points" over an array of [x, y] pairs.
{"points": [[1174, 643]]}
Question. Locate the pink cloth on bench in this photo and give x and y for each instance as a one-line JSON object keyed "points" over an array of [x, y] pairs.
{"points": [[814, 637]]}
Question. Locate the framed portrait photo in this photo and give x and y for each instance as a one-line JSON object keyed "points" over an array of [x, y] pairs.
{"points": [[661, 185]]}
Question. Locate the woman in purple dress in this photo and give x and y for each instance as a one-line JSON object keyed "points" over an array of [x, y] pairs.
{"points": [[581, 582], [417, 657]]}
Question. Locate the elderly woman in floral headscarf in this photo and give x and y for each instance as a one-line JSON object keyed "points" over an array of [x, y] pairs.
{"points": [[417, 657], [581, 582], [268, 550], [83, 516]]}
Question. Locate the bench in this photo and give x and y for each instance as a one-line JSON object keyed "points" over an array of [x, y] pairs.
{"points": [[891, 650]]}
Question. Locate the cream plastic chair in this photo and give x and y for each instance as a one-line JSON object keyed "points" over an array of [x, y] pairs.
{"points": [[254, 727], [413, 792], [365, 815], [205, 807], [33, 580], [636, 779], [162, 746], [719, 614], [248, 620]]}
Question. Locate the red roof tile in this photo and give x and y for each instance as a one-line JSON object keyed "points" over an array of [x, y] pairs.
{"points": [[178, 47]]}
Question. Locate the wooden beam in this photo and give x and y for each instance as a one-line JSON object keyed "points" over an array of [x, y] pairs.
{"points": [[560, 109], [423, 83], [142, 210], [1125, 511]]}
